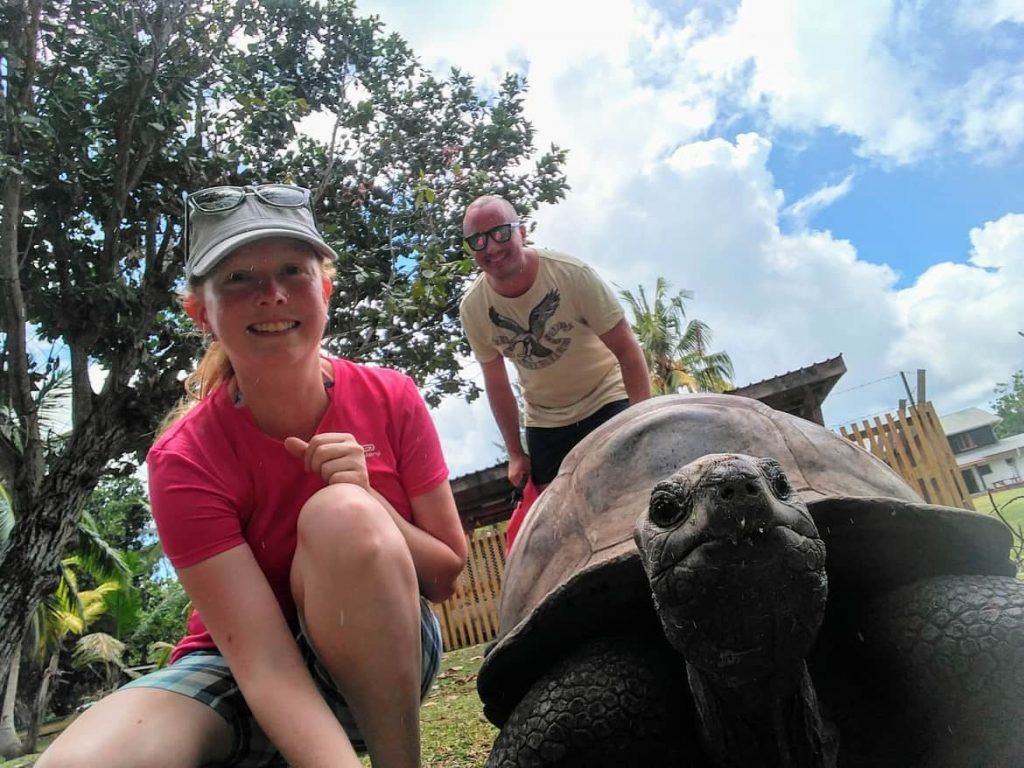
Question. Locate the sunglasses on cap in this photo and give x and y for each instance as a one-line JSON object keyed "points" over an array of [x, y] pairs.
{"points": [[499, 234], [212, 230], [221, 199]]}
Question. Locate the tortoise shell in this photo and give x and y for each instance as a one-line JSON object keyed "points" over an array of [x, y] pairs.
{"points": [[575, 572]]}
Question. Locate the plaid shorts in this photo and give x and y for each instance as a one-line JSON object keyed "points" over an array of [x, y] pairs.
{"points": [[204, 676]]}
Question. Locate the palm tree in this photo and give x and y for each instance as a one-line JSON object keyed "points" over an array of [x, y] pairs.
{"points": [[69, 611], [65, 611], [676, 351]]}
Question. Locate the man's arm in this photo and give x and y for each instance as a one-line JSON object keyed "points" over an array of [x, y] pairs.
{"points": [[506, 414], [623, 344]]}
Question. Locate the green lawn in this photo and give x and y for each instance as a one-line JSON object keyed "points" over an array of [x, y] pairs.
{"points": [[454, 732], [1010, 503]]}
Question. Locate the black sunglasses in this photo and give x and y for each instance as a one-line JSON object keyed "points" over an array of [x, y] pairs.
{"points": [[499, 234]]}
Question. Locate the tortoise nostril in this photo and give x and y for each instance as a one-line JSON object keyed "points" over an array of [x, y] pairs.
{"points": [[727, 492], [752, 489]]}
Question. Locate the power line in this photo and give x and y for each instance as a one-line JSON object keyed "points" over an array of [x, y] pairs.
{"points": [[866, 384]]}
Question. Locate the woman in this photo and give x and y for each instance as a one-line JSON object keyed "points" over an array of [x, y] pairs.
{"points": [[304, 502]]}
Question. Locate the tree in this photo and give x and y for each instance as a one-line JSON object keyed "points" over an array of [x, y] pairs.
{"points": [[109, 110], [676, 351], [10, 742], [67, 610], [1009, 405]]}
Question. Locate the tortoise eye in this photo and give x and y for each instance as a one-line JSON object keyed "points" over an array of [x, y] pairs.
{"points": [[666, 504], [776, 476]]}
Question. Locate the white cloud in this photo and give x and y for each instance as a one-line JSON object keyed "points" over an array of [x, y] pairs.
{"points": [[469, 437], [984, 14], [708, 220], [778, 301], [963, 318], [803, 209], [635, 96], [991, 122]]}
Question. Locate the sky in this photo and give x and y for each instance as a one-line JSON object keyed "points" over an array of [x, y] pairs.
{"points": [[827, 178]]}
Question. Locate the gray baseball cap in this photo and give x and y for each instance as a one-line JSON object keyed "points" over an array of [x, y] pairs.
{"points": [[214, 235]]}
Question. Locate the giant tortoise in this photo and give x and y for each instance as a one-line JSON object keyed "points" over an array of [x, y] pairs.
{"points": [[711, 582]]}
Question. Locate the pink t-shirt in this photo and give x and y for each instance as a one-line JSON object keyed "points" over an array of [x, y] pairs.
{"points": [[217, 481]]}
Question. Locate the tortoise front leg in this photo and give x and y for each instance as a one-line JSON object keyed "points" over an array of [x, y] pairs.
{"points": [[614, 703], [951, 650]]}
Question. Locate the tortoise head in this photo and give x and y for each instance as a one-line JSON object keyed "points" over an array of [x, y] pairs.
{"points": [[736, 565]]}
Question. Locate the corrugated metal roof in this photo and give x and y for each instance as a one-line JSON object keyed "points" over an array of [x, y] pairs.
{"points": [[787, 373], [966, 420]]}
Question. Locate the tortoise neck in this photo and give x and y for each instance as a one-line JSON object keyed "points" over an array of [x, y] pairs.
{"points": [[767, 721]]}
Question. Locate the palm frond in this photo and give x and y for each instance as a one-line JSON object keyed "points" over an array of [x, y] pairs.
{"points": [[6, 517], [676, 351], [98, 647], [94, 600], [98, 558], [53, 402], [159, 653], [124, 606]]}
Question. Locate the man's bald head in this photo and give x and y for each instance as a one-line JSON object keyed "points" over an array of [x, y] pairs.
{"points": [[495, 202]]}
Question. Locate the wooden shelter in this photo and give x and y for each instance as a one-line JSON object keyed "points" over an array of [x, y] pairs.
{"points": [[800, 392]]}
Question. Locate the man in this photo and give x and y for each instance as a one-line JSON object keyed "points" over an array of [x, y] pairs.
{"points": [[578, 361]]}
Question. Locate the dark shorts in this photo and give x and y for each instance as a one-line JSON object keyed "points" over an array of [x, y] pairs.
{"points": [[204, 676], [547, 446]]}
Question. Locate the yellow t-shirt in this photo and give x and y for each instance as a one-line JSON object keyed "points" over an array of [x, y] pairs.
{"points": [[551, 335]]}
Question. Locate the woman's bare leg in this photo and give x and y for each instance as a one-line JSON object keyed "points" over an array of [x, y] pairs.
{"points": [[355, 585], [142, 728]]}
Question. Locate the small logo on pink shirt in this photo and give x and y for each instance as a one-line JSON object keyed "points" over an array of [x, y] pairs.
{"points": [[370, 450]]}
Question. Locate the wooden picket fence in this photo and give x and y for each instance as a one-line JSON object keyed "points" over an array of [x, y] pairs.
{"points": [[912, 442], [470, 616]]}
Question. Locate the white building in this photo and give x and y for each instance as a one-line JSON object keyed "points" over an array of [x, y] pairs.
{"points": [[985, 461]]}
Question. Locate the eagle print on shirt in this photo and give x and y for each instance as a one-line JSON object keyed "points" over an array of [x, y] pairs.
{"points": [[536, 346]]}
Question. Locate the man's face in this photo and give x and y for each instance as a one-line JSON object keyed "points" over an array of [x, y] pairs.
{"points": [[499, 261]]}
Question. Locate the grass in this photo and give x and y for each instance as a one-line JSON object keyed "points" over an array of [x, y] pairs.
{"points": [[1010, 503], [455, 733], [453, 730]]}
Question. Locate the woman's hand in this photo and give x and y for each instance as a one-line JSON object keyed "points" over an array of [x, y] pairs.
{"points": [[336, 456]]}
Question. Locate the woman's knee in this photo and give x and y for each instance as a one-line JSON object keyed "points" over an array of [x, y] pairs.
{"points": [[343, 526]]}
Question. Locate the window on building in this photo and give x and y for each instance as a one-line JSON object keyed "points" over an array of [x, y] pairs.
{"points": [[984, 469], [962, 442]]}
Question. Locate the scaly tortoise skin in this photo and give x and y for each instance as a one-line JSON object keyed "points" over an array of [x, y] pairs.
{"points": [[805, 607]]}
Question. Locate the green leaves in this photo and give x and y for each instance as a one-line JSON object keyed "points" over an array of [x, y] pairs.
{"points": [[676, 351], [1009, 405]]}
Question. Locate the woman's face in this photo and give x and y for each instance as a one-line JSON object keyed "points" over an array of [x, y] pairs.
{"points": [[265, 302]]}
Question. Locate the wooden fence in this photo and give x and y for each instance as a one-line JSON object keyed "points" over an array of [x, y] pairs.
{"points": [[470, 616], [912, 443]]}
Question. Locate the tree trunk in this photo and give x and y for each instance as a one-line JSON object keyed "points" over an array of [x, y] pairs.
{"points": [[45, 524], [10, 744], [42, 702]]}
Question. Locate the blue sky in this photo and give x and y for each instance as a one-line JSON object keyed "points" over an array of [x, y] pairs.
{"points": [[826, 177]]}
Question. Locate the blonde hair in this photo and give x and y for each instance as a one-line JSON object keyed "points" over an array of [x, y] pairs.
{"points": [[214, 367]]}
